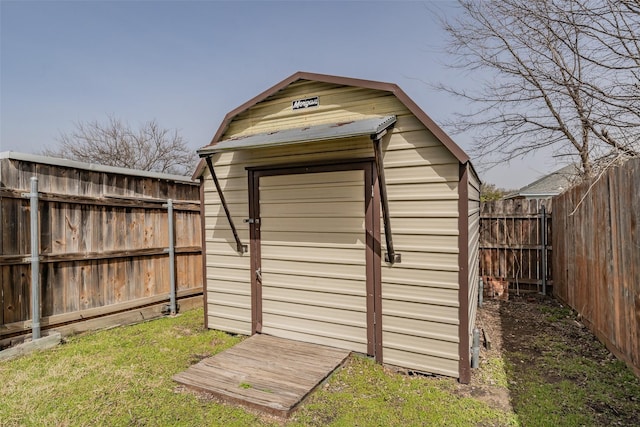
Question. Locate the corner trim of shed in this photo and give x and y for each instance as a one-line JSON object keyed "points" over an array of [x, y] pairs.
{"points": [[464, 364]]}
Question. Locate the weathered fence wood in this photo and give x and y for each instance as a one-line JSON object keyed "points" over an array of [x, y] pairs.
{"points": [[597, 257], [103, 240], [511, 243]]}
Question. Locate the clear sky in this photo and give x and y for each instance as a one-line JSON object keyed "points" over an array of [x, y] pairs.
{"points": [[187, 63]]}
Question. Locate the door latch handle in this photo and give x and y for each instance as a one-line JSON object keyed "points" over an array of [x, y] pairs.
{"points": [[259, 275]]}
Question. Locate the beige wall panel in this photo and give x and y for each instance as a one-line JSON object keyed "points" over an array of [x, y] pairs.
{"points": [[312, 269], [422, 209], [437, 194], [320, 284], [233, 261], [238, 210], [241, 275], [434, 330], [319, 239], [230, 312], [306, 335], [215, 223], [229, 299], [230, 287], [236, 170], [222, 247], [421, 362], [302, 194], [227, 184], [313, 254], [229, 325], [420, 311], [289, 154], [277, 312], [417, 344], [424, 174], [318, 225], [419, 226], [330, 95], [424, 156], [315, 298], [262, 159], [309, 209], [411, 140], [412, 277], [313, 180], [427, 261], [420, 294], [225, 235], [425, 243], [230, 196], [278, 107]]}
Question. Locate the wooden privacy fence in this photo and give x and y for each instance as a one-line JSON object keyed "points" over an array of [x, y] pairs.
{"points": [[515, 237], [103, 235], [596, 265]]}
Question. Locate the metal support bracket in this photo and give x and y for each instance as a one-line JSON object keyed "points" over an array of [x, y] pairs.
{"points": [[391, 256], [240, 248]]}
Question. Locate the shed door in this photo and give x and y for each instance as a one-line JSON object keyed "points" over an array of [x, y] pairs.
{"points": [[313, 260]]}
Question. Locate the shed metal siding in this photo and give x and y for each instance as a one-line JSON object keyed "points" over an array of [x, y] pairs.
{"points": [[313, 258], [474, 235], [419, 295]]}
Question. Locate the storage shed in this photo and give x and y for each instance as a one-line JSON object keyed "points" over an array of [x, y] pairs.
{"points": [[337, 212]]}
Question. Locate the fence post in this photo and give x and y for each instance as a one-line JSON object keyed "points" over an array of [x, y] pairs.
{"points": [[172, 259], [35, 259], [543, 252]]}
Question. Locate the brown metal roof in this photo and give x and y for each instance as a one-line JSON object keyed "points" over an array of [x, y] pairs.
{"points": [[346, 81]]}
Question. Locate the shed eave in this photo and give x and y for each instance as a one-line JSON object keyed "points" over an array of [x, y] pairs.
{"points": [[324, 132]]}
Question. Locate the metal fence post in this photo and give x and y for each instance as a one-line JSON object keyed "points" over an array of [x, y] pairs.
{"points": [[543, 252], [35, 259], [172, 259]]}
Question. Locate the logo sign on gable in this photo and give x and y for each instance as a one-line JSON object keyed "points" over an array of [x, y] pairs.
{"points": [[300, 104]]}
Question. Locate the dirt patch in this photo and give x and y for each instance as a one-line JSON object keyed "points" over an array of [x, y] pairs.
{"points": [[544, 363]]}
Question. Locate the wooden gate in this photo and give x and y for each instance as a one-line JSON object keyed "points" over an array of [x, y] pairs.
{"points": [[515, 246]]}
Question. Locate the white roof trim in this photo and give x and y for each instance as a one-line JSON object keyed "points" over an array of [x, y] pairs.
{"points": [[54, 161]]}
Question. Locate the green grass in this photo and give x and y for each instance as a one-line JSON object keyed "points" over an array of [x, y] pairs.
{"points": [[122, 376], [363, 393]]}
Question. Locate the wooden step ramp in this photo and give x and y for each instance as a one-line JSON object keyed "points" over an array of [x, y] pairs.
{"points": [[264, 372]]}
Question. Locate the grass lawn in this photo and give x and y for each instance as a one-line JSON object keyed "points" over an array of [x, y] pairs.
{"points": [[122, 376]]}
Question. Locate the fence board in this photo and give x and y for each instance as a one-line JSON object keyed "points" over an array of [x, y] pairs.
{"points": [[102, 241], [510, 242], [597, 257]]}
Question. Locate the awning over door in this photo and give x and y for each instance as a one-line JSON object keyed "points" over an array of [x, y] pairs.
{"points": [[365, 127], [374, 127]]}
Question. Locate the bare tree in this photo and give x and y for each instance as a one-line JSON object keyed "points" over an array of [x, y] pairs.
{"points": [[115, 143], [563, 74]]}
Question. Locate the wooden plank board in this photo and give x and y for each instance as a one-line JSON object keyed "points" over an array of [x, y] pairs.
{"points": [[264, 372]]}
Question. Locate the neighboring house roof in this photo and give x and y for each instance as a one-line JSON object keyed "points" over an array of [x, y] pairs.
{"points": [[346, 81], [549, 185]]}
